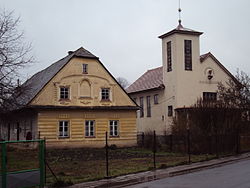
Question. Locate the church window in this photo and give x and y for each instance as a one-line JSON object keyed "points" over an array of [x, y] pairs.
{"points": [[188, 54], [170, 111], [148, 107], [141, 107], [209, 96], [169, 57], [156, 100]]}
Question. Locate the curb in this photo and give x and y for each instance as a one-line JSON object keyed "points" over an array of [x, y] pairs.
{"points": [[132, 179]]}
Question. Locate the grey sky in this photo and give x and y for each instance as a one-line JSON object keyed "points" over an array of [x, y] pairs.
{"points": [[124, 33]]}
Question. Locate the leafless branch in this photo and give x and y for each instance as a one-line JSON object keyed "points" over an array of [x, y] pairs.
{"points": [[14, 55]]}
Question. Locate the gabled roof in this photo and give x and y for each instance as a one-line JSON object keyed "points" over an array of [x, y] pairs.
{"points": [[181, 30], [209, 54], [40, 79], [152, 79]]}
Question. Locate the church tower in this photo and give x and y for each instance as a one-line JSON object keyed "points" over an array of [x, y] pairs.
{"points": [[181, 58]]}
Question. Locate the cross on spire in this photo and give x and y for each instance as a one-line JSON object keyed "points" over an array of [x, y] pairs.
{"points": [[179, 10]]}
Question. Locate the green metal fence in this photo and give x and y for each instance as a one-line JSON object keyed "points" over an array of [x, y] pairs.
{"points": [[22, 178]]}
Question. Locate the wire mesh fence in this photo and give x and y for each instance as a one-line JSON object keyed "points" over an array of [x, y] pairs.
{"points": [[74, 165]]}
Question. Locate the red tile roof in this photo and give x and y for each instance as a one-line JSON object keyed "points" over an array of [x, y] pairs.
{"points": [[152, 79]]}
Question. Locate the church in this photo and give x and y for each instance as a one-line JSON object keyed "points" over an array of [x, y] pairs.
{"points": [[184, 77]]}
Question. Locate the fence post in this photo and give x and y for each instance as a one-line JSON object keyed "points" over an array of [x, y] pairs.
{"points": [[45, 158], [42, 162], [238, 140], [171, 142], [188, 141], [216, 144], [107, 155], [154, 149], [4, 169], [8, 131], [18, 131]]}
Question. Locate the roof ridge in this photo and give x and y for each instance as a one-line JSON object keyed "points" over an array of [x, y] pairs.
{"points": [[206, 53], [40, 79], [155, 68], [46, 68]]}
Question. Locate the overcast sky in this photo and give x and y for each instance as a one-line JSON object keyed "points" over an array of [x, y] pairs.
{"points": [[124, 33]]}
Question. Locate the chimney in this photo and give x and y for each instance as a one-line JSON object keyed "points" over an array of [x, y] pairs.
{"points": [[70, 52]]}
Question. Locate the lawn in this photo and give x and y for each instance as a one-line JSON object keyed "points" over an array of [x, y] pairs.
{"points": [[85, 164]]}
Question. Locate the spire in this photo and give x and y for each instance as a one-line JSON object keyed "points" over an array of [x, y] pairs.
{"points": [[179, 10]]}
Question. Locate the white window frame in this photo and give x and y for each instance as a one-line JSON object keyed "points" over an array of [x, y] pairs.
{"points": [[114, 128], [65, 133], [63, 93], [105, 94], [88, 131]]}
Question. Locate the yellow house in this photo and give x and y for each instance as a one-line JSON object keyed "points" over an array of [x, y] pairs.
{"points": [[72, 103]]}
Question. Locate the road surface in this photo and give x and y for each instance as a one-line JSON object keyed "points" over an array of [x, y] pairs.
{"points": [[236, 175]]}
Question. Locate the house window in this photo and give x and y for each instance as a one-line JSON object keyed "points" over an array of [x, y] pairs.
{"points": [[114, 128], [156, 100], [188, 54], [85, 68], [63, 129], [141, 107], [209, 96], [170, 111], [89, 128], [148, 107], [105, 94], [64, 93], [169, 57]]}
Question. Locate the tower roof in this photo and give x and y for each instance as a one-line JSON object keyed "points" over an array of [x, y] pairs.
{"points": [[181, 30]]}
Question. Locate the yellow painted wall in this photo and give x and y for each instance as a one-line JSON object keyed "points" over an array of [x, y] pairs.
{"points": [[48, 125], [84, 88]]}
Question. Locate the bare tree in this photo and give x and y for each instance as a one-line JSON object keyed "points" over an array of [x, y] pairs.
{"points": [[236, 93], [122, 81], [14, 55]]}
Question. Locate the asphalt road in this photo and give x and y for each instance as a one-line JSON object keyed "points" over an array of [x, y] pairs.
{"points": [[236, 175]]}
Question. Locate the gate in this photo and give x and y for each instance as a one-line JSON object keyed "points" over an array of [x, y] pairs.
{"points": [[23, 178]]}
